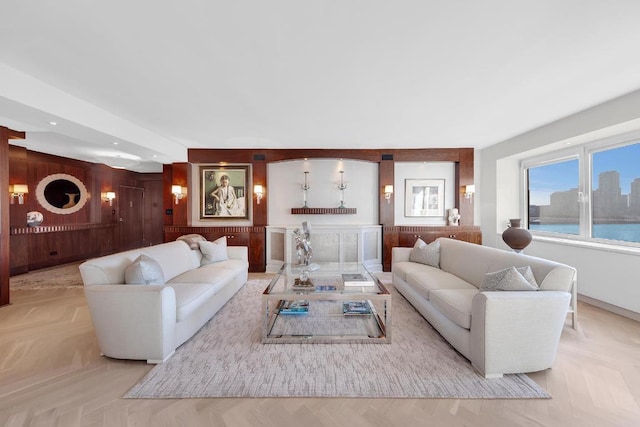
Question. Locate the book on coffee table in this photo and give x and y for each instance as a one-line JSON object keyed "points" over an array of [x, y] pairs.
{"points": [[297, 307], [356, 308], [356, 279]]}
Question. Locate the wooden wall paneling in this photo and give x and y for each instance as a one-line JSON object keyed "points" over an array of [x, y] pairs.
{"points": [[19, 245], [167, 197], [153, 210], [180, 176], [465, 177], [5, 213], [257, 249], [259, 176], [386, 173]]}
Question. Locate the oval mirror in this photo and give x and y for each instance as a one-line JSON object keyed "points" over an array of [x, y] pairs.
{"points": [[61, 193]]}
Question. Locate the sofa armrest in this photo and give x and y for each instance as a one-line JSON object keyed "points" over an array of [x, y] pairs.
{"points": [[238, 252], [516, 332], [399, 254], [134, 321]]}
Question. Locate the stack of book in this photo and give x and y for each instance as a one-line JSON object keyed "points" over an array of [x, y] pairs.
{"points": [[294, 307], [356, 308], [356, 279]]}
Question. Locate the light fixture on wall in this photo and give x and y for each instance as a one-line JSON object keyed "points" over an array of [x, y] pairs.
{"points": [[259, 192], [388, 191], [468, 191], [18, 190], [109, 196], [176, 190]]}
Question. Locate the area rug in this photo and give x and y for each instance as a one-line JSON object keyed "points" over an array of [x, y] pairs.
{"points": [[59, 277], [226, 359]]}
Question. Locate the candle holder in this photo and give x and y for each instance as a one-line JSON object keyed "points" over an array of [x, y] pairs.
{"points": [[305, 187], [342, 187]]}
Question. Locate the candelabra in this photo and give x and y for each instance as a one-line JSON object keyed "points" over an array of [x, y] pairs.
{"points": [[342, 187], [305, 188]]}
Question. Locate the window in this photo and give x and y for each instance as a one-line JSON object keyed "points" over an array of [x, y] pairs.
{"points": [[609, 174], [616, 193], [553, 197]]}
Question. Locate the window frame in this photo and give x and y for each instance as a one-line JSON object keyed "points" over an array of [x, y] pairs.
{"points": [[584, 154]]}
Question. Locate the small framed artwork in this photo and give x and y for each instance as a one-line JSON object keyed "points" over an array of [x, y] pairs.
{"points": [[424, 198], [223, 192]]}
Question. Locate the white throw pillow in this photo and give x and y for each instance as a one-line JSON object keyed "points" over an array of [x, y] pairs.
{"points": [[528, 275], [144, 270], [426, 254], [215, 251], [508, 279]]}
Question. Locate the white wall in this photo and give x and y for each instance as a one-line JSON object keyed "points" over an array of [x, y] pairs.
{"points": [[422, 170], [284, 191], [603, 274]]}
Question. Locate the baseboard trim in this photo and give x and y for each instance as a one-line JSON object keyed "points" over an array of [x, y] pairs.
{"points": [[610, 307]]}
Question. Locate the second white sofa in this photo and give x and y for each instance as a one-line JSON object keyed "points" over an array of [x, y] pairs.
{"points": [[149, 321], [500, 332]]}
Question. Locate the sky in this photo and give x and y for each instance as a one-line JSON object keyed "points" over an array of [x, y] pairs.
{"points": [[564, 176]]}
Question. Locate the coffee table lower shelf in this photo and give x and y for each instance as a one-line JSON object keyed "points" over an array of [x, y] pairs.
{"points": [[325, 323]]}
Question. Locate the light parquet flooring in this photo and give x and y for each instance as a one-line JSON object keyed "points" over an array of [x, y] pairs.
{"points": [[52, 374]]}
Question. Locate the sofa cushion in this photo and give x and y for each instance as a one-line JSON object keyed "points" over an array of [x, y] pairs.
{"points": [[455, 304], [215, 251], [217, 274], [508, 279], [192, 240], [427, 279], [426, 254], [190, 296], [144, 270]]}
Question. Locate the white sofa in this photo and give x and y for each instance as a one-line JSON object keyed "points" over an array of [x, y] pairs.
{"points": [[500, 332], [148, 322]]}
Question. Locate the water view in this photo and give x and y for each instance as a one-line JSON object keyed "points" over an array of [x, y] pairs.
{"points": [[623, 232]]}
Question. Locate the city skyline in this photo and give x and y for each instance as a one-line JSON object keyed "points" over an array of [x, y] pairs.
{"points": [[564, 176]]}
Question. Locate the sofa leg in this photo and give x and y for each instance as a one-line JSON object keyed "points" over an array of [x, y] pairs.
{"points": [[158, 361]]}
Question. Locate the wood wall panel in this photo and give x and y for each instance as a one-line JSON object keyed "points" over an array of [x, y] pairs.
{"points": [[92, 231]]}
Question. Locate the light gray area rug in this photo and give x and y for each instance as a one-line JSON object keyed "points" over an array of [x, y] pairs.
{"points": [[226, 359], [60, 277]]}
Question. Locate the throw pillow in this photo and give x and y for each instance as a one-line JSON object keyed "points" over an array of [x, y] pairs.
{"points": [[215, 251], [144, 270], [508, 279], [192, 240], [426, 254], [528, 275]]}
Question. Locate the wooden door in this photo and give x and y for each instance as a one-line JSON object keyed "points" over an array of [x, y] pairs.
{"points": [[131, 220]]}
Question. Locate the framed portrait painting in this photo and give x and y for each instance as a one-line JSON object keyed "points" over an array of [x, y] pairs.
{"points": [[424, 198], [223, 192]]}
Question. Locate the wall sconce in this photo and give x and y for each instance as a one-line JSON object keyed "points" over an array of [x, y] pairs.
{"points": [[18, 190], [468, 191], [259, 192], [109, 196], [388, 191], [176, 190]]}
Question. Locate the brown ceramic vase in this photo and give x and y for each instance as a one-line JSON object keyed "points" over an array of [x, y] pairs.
{"points": [[515, 237]]}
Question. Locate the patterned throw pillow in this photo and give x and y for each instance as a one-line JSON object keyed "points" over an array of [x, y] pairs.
{"points": [[192, 240], [528, 275], [426, 254], [215, 251], [144, 271], [508, 279]]}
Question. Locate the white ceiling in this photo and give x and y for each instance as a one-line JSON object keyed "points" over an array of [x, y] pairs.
{"points": [[160, 76]]}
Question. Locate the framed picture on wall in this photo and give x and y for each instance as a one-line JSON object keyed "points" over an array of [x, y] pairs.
{"points": [[424, 198], [223, 192]]}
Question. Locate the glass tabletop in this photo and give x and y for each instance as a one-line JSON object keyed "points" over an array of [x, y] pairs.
{"points": [[344, 278]]}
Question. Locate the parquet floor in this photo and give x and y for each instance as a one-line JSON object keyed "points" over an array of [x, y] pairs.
{"points": [[51, 374]]}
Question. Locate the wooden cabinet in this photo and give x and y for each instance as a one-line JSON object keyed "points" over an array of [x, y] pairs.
{"points": [[251, 237], [407, 237]]}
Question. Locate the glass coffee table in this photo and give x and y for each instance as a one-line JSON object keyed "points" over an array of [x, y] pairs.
{"points": [[338, 303]]}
